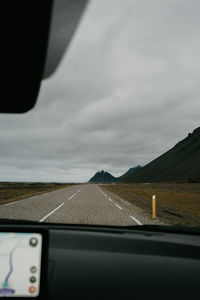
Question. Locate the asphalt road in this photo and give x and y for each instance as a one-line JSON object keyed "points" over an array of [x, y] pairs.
{"points": [[78, 204]]}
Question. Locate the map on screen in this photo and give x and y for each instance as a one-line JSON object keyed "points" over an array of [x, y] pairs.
{"points": [[20, 264]]}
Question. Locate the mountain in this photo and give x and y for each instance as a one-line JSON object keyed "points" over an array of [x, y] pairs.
{"points": [[102, 177], [180, 163], [105, 177], [129, 172]]}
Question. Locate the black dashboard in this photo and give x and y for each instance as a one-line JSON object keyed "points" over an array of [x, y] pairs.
{"points": [[93, 262]]}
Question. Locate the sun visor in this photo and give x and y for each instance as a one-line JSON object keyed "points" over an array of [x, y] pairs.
{"points": [[34, 36], [65, 18]]}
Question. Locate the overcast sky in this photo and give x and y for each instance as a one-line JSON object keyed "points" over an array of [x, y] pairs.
{"points": [[126, 91]]}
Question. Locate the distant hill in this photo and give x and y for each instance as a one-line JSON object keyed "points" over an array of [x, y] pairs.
{"points": [[105, 177], [129, 172], [102, 177], [180, 163]]}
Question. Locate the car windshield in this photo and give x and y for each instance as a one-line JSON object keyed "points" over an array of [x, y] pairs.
{"points": [[114, 138]]}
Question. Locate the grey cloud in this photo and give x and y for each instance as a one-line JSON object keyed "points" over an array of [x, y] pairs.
{"points": [[126, 91]]}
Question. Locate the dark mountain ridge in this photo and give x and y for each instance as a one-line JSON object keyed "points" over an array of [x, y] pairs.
{"points": [[105, 177], [102, 177], [180, 163], [129, 172]]}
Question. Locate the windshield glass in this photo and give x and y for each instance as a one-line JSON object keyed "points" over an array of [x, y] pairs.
{"points": [[114, 138]]}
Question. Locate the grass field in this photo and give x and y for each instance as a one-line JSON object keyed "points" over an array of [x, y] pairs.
{"points": [[12, 191], [177, 203]]}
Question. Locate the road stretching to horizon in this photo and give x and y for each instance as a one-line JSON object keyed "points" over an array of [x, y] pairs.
{"points": [[78, 204]]}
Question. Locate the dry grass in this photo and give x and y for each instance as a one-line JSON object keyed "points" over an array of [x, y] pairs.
{"points": [[12, 191], [177, 203]]}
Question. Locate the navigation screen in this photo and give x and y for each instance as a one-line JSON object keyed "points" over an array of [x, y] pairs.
{"points": [[20, 264]]}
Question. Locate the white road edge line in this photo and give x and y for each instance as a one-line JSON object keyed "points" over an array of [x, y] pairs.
{"points": [[138, 222], [51, 212], [11, 203], [118, 206], [110, 199], [99, 189], [18, 201]]}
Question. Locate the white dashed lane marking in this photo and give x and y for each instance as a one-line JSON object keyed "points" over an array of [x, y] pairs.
{"points": [[71, 196], [138, 222], [51, 212]]}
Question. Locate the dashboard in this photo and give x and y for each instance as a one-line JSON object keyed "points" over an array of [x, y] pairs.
{"points": [[52, 261]]}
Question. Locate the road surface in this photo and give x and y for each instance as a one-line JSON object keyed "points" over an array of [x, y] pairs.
{"points": [[78, 204]]}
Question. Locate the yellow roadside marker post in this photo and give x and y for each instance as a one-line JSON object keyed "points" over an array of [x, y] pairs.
{"points": [[154, 206]]}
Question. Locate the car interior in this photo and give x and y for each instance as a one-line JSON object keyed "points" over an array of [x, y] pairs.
{"points": [[83, 261]]}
